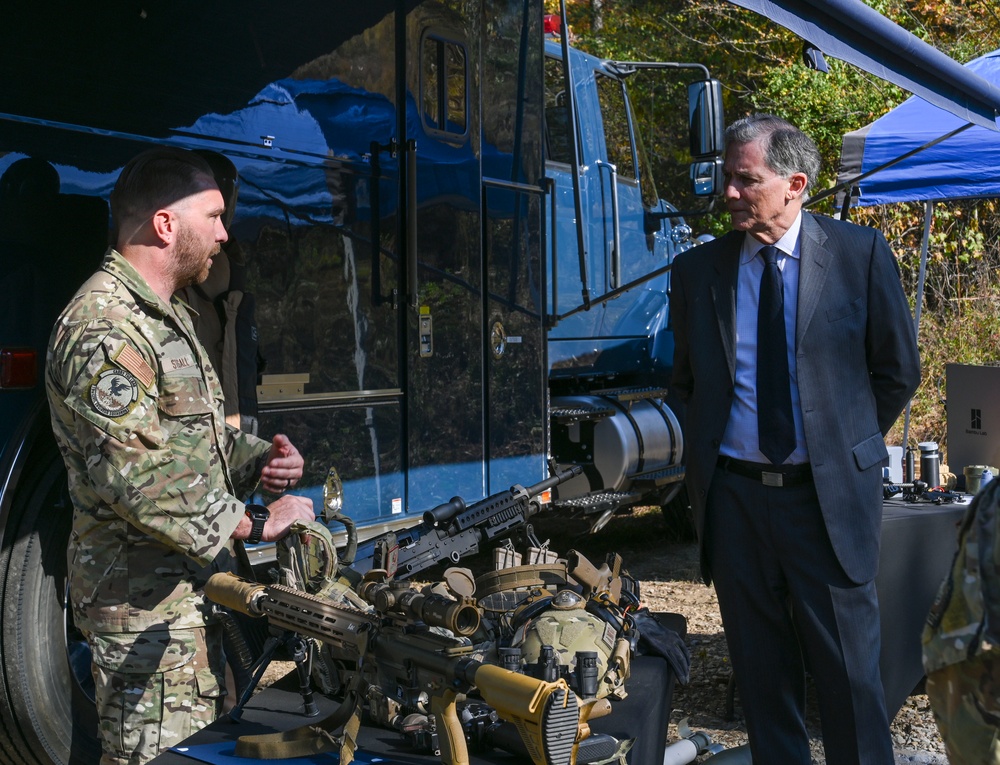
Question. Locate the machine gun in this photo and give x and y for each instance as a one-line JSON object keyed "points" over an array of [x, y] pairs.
{"points": [[412, 667], [452, 530]]}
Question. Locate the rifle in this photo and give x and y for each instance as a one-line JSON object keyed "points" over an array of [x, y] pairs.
{"points": [[413, 666], [452, 530]]}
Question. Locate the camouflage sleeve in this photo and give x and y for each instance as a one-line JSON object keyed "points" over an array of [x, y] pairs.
{"points": [[148, 439], [247, 456], [988, 548]]}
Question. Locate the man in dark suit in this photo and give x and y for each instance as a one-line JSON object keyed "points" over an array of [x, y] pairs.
{"points": [[785, 442]]}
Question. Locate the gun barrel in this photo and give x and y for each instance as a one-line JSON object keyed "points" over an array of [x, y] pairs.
{"points": [[456, 506], [507, 509], [554, 480]]}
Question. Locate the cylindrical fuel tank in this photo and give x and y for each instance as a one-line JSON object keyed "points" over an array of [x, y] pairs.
{"points": [[620, 437]]}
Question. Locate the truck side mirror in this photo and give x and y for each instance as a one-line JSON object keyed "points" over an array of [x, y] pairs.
{"points": [[706, 177], [705, 120]]}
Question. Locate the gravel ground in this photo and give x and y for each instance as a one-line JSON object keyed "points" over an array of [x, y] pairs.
{"points": [[703, 702], [670, 581], [668, 573]]}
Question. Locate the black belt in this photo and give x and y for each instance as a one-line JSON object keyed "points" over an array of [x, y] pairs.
{"points": [[769, 475]]}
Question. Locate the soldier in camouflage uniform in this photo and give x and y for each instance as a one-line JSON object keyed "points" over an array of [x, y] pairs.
{"points": [[155, 474], [962, 639]]}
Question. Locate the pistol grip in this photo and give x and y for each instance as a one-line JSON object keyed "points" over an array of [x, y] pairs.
{"points": [[454, 750]]}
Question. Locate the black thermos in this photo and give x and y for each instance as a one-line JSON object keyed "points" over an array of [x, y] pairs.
{"points": [[930, 463]]}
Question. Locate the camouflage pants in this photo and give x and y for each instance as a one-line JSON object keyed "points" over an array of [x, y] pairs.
{"points": [[965, 698], [154, 689]]}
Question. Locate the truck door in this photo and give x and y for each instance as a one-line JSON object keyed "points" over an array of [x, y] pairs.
{"points": [[474, 372], [513, 173], [621, 242], [443, 301]]}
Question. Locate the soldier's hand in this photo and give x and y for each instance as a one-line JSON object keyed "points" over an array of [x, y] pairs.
{"points": [[283, 468], [284, 512]]}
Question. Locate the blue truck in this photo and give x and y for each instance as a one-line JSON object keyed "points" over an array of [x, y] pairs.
{"points": [[449, 236]]}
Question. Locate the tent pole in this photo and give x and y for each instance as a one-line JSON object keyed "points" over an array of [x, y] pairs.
{"points": [[924, 248], [845, 210]]}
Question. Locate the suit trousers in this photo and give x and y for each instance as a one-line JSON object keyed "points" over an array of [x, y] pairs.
{"points": [[786, 607]]}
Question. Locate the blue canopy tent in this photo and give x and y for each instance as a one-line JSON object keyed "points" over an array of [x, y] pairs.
{"points": [[923, 153], [919, 152]]}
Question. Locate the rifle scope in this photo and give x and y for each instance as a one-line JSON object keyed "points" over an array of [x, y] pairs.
{"points": [[461, 617]]}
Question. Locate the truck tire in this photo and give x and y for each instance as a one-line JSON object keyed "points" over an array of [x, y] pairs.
{"points": [[47, 713]]}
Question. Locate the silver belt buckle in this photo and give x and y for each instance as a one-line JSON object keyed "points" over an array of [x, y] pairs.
{"points": [[771, 479]]}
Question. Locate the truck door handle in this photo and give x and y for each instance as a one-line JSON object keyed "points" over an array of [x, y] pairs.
{"points": [[616, 251], [411, 223]]}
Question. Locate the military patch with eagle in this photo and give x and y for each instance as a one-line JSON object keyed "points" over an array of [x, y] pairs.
{"points": [[114, 392]]}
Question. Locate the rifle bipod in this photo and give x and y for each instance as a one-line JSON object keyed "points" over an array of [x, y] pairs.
{"points": [[301, 652]]}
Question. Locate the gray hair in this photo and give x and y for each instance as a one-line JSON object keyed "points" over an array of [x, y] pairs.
{"points": [[787, 150]]}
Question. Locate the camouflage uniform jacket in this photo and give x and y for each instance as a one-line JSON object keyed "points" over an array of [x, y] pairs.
{"points": [[965, 618], [155, 474]]}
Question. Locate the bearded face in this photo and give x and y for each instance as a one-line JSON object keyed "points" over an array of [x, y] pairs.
{"points": [[200, 234], [193, 256]]}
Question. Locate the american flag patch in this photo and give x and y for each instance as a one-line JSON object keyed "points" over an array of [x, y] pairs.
{"points": [[129, 359]]}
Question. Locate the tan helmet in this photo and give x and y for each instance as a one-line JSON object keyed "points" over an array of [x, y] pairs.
{"points": [[566, 639]]}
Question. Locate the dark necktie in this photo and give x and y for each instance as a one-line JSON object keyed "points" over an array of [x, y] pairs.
{"points": [[775, 427]]}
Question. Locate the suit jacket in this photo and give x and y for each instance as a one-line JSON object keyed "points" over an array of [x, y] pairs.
{"points": [[857, 361]]}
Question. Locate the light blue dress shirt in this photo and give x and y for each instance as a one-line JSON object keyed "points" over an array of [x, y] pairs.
{"points": [[740, 440]]}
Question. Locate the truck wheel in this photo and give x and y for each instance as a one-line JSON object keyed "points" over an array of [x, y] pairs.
{"points": [[677, 513], [47, 714]]}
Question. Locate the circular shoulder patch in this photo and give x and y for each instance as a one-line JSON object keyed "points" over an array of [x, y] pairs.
{"points": [[114, 392]]}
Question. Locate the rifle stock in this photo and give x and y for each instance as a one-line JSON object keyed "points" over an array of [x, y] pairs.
{"points": [[546, 715], [596, 580]]}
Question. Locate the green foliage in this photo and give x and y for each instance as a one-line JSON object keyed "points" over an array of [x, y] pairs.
{"points": [[960, 309]]}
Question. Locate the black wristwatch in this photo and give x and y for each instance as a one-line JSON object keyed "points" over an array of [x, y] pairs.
{"points": [[258, 514]]}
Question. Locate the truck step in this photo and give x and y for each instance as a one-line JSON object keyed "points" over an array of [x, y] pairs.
{"points": [[596, 503], [567, 415], [660, 477], [633, 394]]}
